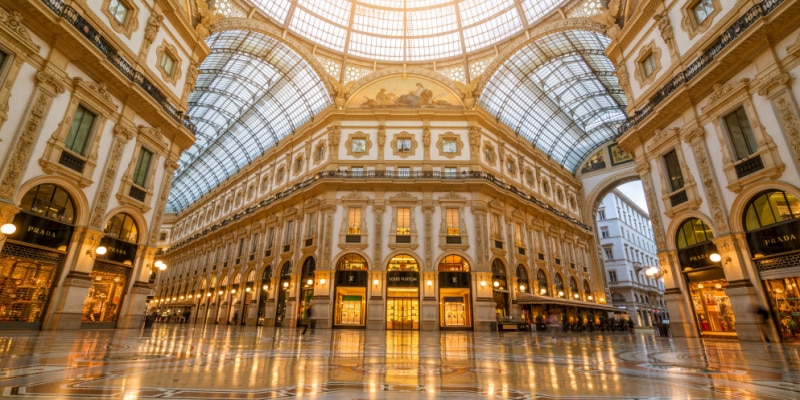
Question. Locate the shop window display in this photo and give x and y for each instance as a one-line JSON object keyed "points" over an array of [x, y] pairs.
{"points": [[785, 299], [103, 297], [24, 289], [713, 307]]}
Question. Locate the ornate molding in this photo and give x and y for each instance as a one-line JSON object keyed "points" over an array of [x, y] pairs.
{"points": [[665, 28], [765, 84], [97, 92], [150, 31], [789, 120], [723, 91], [12, 22], [56, 82], [22, 153], [695, 138], [109, 177]]}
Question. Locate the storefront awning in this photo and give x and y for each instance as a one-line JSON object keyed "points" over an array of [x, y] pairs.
{"points": [[534, 299]]}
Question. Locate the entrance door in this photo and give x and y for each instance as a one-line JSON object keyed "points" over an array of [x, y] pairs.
{"points": [[402, 313]]}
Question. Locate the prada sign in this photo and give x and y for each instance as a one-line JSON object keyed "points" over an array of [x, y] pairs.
{"points": [[41, 231], [402, 278], [697, 256], [775, 239], [119, 251]]}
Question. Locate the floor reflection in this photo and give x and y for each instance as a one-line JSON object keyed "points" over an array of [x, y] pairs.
{"points": [[230, 362]]}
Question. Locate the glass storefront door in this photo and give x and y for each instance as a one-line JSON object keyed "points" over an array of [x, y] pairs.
{"points": [[402, 309], [350, 307], [455, 311]]}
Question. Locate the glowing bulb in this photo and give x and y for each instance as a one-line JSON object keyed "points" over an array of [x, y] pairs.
{"points": [[265, 287], [8, 229], [496, 284], [521, 288], [543, 291], [715, 257], [310, 282], [376, 282], [322, 281], [101, 250], [483, 283], [429, 282], [247, 289], [286, 284]]}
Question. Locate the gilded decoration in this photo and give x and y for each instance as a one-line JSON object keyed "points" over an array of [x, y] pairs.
{"points": [[131, 22], [170, 51], [789, 120], [689, 21], [695, 137], [404, 92], [24, 147], [644, 52]]}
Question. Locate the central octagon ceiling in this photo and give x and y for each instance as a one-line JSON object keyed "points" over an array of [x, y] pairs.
{"points": [[559, 91], [405, 30]]}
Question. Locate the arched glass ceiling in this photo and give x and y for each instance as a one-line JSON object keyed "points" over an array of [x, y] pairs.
{"points": [[561, 93], [252, 92], [406, 30]]}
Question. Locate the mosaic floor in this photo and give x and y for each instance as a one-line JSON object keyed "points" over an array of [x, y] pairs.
{"points": [[231, 362]]}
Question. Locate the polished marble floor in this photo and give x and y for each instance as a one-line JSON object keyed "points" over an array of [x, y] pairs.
{"points": [[232, 362]]}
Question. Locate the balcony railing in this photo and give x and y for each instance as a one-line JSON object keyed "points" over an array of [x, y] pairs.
{"points": [[726, 38], [112, 56]]}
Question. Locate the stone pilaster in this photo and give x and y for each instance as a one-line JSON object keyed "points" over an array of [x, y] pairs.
{"points": [[695, 138]]}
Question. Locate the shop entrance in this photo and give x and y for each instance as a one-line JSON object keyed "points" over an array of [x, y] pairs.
{"points": [[402, 309]]}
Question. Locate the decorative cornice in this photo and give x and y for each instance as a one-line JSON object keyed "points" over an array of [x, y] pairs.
{"points": [[722, 91], [765, 84], [45, 76], [12, 22]]}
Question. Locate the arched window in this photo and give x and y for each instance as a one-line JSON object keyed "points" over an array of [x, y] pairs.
{"points": [[693, 231], [49, 201], [771, 208], [522, 279], [267, 275], [352, 262], [308, 271], [573, 287], [498, 275], [122, 227], [286, 271], [587, 289], [559, 282], [541, 279], [403, 262], [453, 263]]}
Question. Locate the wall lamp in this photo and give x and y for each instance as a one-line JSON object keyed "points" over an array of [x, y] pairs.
{"points": [[322, 281], [543, 291], [159, 264], [100, 250], [8, 229], [560, 293], [496, 283], [376, 282], [310, 282], [285, 285], [429, 283], [715, 257], [265, 287], [521, 288], [483, 283], [656, 272]]}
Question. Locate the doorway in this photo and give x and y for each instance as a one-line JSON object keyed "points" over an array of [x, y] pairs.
{"points": [[402, 309]]}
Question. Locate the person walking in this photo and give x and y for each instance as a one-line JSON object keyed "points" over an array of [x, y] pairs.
{"points": [[763, 322], [307, 317]]}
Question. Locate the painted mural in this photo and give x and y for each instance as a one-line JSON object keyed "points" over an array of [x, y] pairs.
{"points": [[409, 92]]}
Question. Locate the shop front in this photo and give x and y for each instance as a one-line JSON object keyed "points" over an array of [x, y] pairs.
{"points": [[351, 280], [772, 221], [33, 256], [705, 280]]}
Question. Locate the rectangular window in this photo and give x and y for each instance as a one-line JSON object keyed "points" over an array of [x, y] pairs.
{"points": [[2, 60], [119, 10], [354, 221], [404, 221], [287, 239], [142, 167], [649, 65], [702, 10], [254, 244], [601, 214], [450, 172], [357, 171], [495, 225], [240, 247], [453, 226], [403, 145], [403, 172], [612, 276], [167, 63], [518, 234], [604, 232], [311, 222], [270, 237], [674, 174], [79, 130], [741, 134], [450, 146], [609, 254]]}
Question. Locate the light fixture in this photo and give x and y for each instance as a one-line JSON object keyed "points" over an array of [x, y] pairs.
{"points": [[496, 284], [715, 257], [655, 272], [221, 293], [247, 289], [310, 282], [521, 288], [483, 283], [322, 281], [285, 284], [375, 282], [190, 296], [174, 298], [602, 300], [543, 291], [265, 287], [700, 286], [429, 282], [560, 293], [233, 291], [160, 265], [100, 250], [590, 297], [208, 294], [8, 229], [181, 297], [718, 286], [575, 295]]}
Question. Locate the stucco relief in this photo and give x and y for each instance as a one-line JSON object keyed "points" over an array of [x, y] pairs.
{"points": [[695, 138], [788, 117], [22, 152]]}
